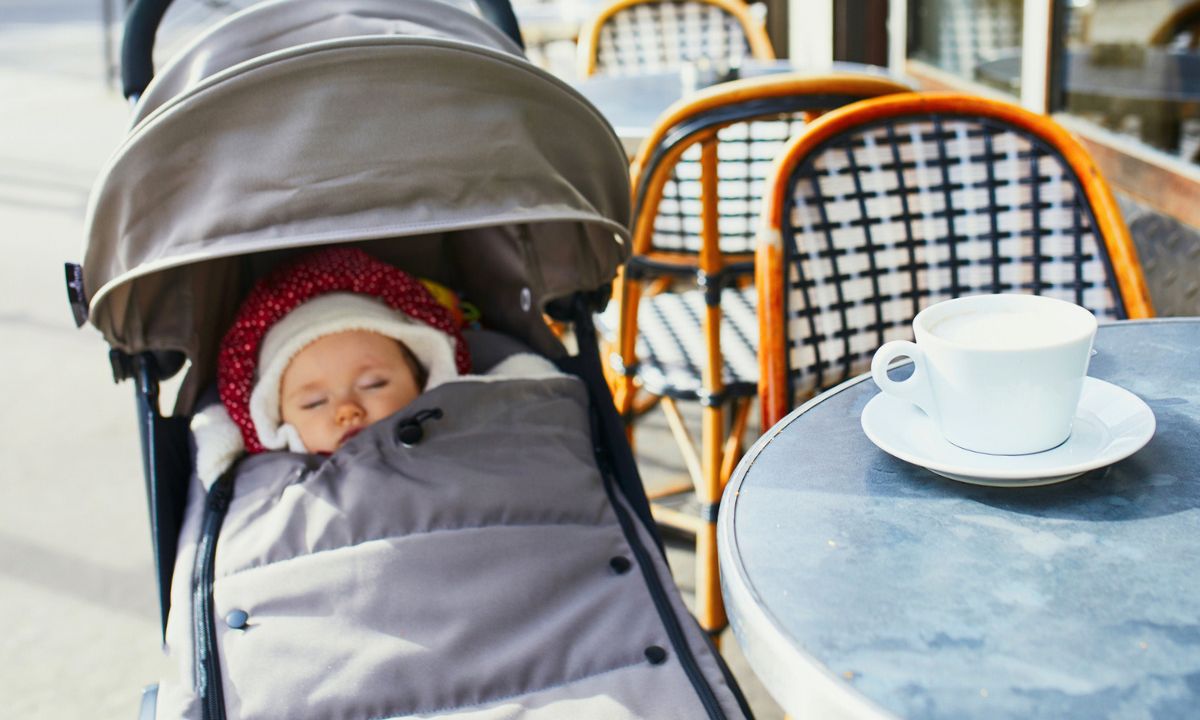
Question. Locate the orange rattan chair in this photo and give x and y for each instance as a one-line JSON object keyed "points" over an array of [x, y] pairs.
{"points": [[639, 36], [886, 206], [684, 324]]}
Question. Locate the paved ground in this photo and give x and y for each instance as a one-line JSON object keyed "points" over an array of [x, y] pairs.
{"points": [[74, 551], [75, 563]]}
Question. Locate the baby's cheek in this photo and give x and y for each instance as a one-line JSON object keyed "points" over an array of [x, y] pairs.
{"points": [[323, 442]]}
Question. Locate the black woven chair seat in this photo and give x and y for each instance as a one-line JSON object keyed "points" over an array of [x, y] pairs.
{"points": [[671, 348]]}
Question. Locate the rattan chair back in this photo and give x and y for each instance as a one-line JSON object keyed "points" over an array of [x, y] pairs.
{"points": [[699, 180], [633, 37], [890, 205]]}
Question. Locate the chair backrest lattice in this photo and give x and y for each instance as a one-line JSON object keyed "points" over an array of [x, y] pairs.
{"points": [[649, 37], [898, 214], [746, 151], [743, 126], [636, 37]]}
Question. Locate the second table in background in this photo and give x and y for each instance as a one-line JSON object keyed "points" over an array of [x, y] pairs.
{"points": [[632, 103]]}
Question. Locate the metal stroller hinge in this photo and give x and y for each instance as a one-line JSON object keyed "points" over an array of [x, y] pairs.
{"points": [[122, 365]]}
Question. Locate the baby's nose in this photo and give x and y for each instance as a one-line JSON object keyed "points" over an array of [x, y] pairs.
{"points": [[349, 412]]}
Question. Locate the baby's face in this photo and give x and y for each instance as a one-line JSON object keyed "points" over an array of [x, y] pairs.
{"points": [[342, 383]]}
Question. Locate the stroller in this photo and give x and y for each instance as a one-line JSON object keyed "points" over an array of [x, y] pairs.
{"points": [[416, 132]]}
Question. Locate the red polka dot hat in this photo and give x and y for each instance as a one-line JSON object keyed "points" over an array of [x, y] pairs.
{"points": [[320, 293]]}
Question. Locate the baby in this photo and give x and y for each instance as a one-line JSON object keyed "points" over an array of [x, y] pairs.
{"points": [[324, 347]]}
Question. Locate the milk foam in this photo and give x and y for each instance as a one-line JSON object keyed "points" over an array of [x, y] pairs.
{"points": [[998, 330]]}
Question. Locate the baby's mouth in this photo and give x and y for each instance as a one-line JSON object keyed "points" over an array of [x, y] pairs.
{"points": [[349, 434]]}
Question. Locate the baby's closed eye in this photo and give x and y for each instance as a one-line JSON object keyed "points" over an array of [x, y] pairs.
{"points": [[312, 403], [373, 382]]}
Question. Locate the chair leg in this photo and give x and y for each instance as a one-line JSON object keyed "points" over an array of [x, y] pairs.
{"points": [[644, 402], [710, 609], [624, 391], [667, 516], [683, 438], [611, 377], [733, 444], [721, 453]]}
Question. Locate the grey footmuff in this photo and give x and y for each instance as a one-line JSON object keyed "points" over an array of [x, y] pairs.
{"points": [[488, 570]]}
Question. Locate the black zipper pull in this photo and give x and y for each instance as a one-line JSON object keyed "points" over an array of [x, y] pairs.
{"points": [[410, 432]]}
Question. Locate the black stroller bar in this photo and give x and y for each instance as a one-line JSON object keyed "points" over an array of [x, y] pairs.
{"points": [[137, 45], [166, 466]]}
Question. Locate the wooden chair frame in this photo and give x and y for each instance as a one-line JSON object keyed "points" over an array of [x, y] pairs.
{"points": [[690, 123], [1108, 224], [589, 34], [1185, 18]]}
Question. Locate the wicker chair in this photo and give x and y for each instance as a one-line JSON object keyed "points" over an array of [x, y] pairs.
{"points": [[632, 37], [684, 324], [886, 206]]}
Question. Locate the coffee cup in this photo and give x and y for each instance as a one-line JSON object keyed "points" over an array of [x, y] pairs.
{"points": [[997, 374]]}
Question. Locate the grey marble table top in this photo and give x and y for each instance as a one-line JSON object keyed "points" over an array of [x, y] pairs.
{"points": [[632, 103], [861, 586]]}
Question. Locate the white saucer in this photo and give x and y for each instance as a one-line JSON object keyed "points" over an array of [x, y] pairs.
{"points": [[1111, 424]]}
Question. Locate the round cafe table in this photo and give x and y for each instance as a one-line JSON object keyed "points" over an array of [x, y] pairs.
{"points": [[632, 103], [860, 586]]}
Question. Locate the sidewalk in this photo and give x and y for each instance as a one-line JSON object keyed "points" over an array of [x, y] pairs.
{"points": [[76, 577], [75, 559]]}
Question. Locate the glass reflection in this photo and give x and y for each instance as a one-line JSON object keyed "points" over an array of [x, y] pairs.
{"points": [[1133, 67], [979, 40]]}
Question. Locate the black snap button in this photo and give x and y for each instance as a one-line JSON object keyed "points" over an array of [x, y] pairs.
{"points": [[409, 434], [237, 619], [620, 565], [656, 655]]}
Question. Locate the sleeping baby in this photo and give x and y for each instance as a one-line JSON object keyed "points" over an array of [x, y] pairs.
{"points": [[343, 341]]}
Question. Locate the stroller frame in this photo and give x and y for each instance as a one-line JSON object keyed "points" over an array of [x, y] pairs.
{"points": [[165, 440]]}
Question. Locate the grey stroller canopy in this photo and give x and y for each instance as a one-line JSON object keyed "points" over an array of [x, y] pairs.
{"points": [[415, 127]]}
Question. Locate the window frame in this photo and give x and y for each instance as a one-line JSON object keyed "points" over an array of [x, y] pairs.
{"points": [[1153, 178]]}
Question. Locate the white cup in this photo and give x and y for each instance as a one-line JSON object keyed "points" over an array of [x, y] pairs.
{"points": [[997, 374]]}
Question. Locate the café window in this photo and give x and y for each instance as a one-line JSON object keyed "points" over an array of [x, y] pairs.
{"points": [[976, 40], [1132, 67], [1123, 76]]}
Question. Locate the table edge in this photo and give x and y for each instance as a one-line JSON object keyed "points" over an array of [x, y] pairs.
{"points": [[764, 650]]}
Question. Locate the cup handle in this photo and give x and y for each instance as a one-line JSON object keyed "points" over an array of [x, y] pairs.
{"points": [[916, 388]]}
